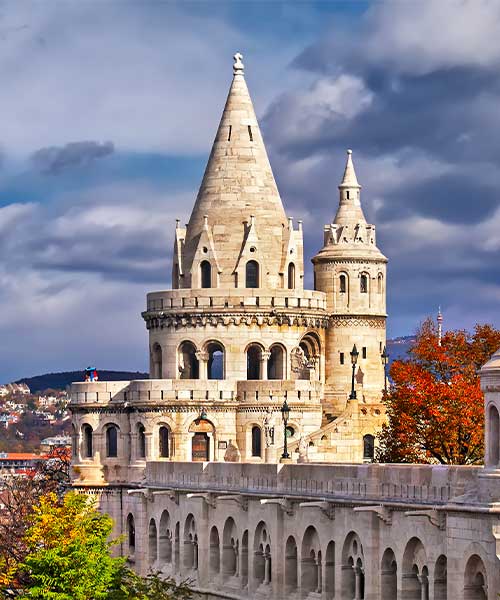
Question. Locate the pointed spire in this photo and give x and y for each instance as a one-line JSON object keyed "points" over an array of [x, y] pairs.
{"points": [[238, 182], [349, 180], [349, 211]]}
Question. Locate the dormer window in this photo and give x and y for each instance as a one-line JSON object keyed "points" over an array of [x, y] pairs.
{"points": [[252, 274], [206, 274]]}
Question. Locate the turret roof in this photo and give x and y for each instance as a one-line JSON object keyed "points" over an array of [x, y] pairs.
{"points": [[238, 180]]}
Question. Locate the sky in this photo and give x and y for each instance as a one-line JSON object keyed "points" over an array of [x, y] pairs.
{"points": [[108, 110]]}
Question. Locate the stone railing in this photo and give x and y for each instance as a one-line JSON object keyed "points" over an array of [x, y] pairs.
{"points": [[421, 484], [237, 299], [198, 390]]}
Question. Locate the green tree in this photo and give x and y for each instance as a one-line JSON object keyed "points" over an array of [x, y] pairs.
{"points": [[69, 555]]}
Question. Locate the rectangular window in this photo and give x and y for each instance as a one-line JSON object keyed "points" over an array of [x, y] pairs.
{"points": [[341, 358], [229, 133], [250, 133], [364, 351]]}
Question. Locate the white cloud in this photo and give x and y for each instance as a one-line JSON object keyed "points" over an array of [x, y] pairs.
{"points": [[420, 37], [301, 115], [147, 78]]}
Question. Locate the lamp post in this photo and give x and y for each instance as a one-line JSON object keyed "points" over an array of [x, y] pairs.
{"points": [[285, 413], [385, 360], [354, 359]]}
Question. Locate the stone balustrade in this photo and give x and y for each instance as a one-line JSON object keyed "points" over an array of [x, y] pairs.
{"points": [[199, 390], [421, 484], [238, 299]]}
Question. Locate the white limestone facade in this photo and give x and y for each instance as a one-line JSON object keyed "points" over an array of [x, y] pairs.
{"points": [[238, 335], [188, 462]]}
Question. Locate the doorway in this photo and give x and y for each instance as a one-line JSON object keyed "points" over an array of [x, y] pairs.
{"points": [[200, 447]]}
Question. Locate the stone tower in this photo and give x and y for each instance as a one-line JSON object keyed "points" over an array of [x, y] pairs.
{"points": [[238, 338], [351, 271]]}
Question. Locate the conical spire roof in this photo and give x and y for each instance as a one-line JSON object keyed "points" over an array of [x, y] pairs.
{"points": [[349, 211], [238, 183], [349, 180]]}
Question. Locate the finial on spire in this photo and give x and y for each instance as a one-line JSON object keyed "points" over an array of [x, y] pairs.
{"points": [[349, 180], [238, 66]]}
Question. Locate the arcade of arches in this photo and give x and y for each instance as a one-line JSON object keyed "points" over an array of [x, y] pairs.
{"points": [[297, 549]]}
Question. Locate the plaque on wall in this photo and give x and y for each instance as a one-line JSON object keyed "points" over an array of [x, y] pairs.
{"points": [[222, 445]]}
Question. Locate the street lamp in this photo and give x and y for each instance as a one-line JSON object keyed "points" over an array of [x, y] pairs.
{"points": [[385, 360], [285, 413], [354, 359]]}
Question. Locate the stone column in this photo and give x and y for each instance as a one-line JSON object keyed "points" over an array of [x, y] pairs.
{"points": [[424, 587], [264, 357], [319, 577], [202, 357], [267, 569]]}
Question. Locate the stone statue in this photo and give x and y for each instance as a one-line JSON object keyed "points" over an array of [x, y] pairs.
{"points": [[302, 450], [269, 428]]}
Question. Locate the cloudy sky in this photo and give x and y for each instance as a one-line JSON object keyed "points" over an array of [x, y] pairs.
{"points": [[108, 110]]}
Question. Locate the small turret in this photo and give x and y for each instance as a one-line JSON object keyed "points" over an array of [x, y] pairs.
{"points": [[351, 270]]}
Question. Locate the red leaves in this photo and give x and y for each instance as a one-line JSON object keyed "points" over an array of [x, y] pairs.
{"points": [[435, 405]]}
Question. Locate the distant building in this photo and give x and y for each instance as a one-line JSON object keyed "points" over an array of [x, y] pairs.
{"points": [[18, 462], [14, 388], [58, 441]]}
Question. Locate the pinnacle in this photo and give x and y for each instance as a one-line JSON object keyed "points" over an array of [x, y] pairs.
{"points": [[349, 180]]}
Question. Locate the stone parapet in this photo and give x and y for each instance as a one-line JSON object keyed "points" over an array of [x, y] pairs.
{"points": [[423, 484], [241, 299], [155, 391]]}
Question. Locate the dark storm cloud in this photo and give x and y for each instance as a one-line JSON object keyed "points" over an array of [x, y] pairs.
{"points": [[449, 198], [422, 116], [54, 159]]}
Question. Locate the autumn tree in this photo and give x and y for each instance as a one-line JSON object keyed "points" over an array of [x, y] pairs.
{"points": [[68, 552], [435, 405]]}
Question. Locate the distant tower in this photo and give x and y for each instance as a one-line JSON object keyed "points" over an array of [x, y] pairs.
{"points": [[440, 326], [351, 270]]}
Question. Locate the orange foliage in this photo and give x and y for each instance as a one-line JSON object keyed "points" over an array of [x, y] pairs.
{"points": [[435, 405]]}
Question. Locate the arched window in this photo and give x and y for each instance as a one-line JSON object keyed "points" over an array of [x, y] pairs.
{"points": [[363, 283], [141, 441], [291, 276], [88, 446], [74, 442], [494, 436], [256, 441], [276, 363], [131, 533], [206, 274], [215, 364], [254, 361], [252, 274], [156, 362], [368, 447], [163, 441], [152, 542], [380, 283], [343, 284], [112, 441], [188, 363]]}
